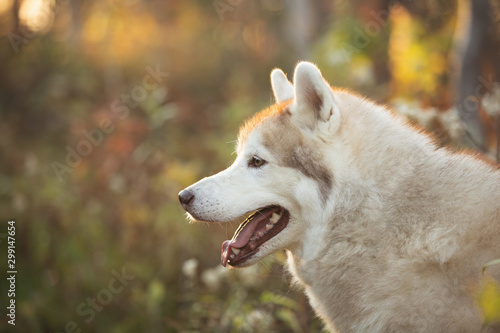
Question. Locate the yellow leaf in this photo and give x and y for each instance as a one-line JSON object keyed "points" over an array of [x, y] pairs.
{"points": [[489, 300]]}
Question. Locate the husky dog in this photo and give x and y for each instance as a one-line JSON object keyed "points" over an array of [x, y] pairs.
{"points": [[384, 230]]}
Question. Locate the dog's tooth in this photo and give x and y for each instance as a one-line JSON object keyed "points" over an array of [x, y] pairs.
{"points": [[231, 255], [269, 226], [235, 250], [260, 234], [274, 218]]}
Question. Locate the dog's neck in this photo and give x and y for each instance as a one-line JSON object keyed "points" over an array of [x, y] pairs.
{"points": [[359, 182]]}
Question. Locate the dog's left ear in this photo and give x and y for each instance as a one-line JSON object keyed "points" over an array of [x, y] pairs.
{"points": [[314, 102], [282, 88]]}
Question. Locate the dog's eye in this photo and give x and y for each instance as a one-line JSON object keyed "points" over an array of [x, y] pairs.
{"points": [[256, 162]]}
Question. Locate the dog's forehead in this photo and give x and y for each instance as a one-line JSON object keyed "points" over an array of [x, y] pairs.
{"points": [[269, 117]]}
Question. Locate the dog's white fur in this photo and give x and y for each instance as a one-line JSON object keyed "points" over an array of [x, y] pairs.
{"points": [[397, 239]]}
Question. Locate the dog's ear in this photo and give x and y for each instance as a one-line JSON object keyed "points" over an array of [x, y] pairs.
{"points": [[314, 101], [282, 88]]}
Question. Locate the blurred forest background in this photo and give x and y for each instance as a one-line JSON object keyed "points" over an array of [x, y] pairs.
{"points": [[109, 108]]}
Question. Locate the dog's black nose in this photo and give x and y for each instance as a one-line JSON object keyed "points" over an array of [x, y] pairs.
{"points": [[186, 197]]}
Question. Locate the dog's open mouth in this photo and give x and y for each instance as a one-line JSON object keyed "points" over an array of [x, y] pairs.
{"points": [[258, 228]]}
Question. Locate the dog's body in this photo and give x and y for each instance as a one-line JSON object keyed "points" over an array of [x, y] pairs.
{"points": [[386, 232]]}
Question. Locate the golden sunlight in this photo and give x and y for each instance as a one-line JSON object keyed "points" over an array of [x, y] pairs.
{"points": [[5, 5], [36, 14]]}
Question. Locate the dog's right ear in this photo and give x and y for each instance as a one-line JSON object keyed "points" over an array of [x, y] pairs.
{"points": [[314, 101], [282, 88]]}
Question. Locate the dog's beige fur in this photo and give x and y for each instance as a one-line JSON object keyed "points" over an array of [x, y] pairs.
{"points": [[388, 233]]}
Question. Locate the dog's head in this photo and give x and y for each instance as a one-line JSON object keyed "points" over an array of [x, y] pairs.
{"points": [[280, 172]]}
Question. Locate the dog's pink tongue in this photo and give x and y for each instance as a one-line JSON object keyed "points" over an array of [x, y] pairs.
{"points": [[240, 238]]}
